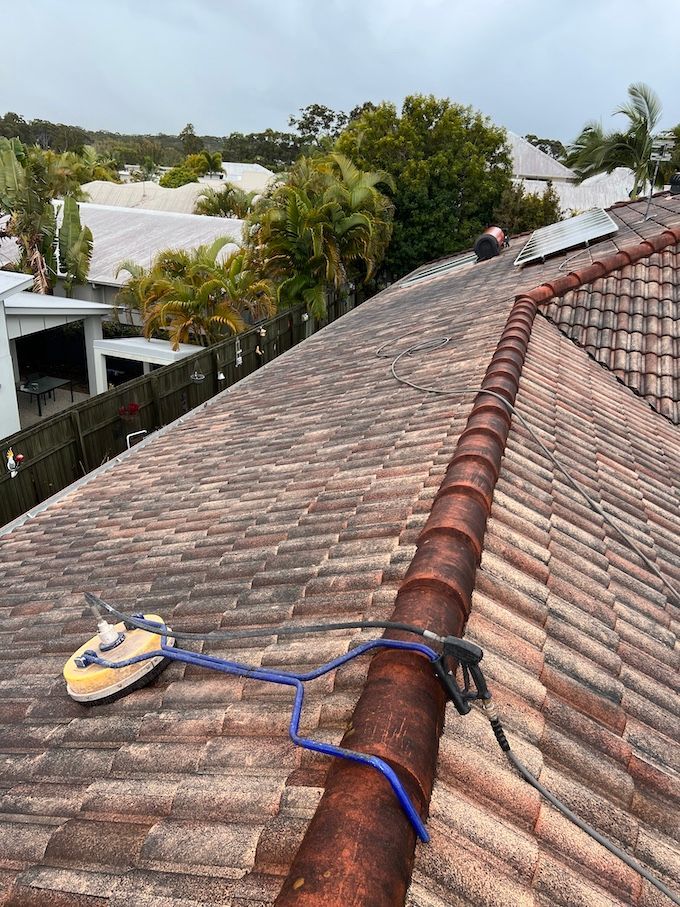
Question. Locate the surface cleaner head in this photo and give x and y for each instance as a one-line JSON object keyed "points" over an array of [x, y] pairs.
{"points": [[97, 685]]}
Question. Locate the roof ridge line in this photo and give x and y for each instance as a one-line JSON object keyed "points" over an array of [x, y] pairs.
{"points": [[400, 713], [602, 267]]}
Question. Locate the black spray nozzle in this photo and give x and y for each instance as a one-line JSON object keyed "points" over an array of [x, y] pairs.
{"points": [[468, 656]]}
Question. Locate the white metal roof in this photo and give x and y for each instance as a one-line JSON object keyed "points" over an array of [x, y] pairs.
{"points": [[147, 195], [36, 304], [529, 162], [12, 283], [157, 352], [122, 234], [599, 191], [250, 177]]}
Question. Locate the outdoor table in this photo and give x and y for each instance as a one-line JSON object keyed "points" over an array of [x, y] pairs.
{"points": [[41, 387]]}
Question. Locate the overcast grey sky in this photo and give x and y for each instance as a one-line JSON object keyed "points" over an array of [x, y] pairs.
{"points": [[539, 66]]}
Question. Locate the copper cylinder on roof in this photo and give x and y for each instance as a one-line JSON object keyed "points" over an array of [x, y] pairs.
{"points": [[490, 243]]}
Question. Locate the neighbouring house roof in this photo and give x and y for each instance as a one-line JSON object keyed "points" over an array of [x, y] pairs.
{"points": [[29, 313], [24, 303], [146, 195], [139, 349], [250, 177], [12, 283], [122, 234], [599, 191], [300, 495], [529, 162], [534, 168]]}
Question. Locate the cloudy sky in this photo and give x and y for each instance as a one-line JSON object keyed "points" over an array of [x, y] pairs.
{"points": [[541, 66]]}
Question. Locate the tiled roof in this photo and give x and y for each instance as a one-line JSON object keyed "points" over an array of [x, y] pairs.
{"points": [[630, 321], [580, 651], [298, 495]]}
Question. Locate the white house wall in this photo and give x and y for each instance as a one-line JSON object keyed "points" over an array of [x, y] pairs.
{"points": [[9, 409]]}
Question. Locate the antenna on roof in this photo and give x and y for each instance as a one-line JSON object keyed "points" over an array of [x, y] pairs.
{"points": [[661, 152]]}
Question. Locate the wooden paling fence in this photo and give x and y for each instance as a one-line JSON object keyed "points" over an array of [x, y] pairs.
{"points": [[61, 449]]}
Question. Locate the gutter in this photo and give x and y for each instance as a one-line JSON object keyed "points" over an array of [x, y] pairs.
{"points": [[359, 848]]}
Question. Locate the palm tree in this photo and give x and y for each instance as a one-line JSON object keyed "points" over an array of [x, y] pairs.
{"points": [[25, 200], [327, 224], [229, 201], [213, 161], [595, 151], [75, 246], [357, 191], [193, 298]]}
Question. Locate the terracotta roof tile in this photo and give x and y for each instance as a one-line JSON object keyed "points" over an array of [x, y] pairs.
{"points": [[304, 498], [628, 322]]}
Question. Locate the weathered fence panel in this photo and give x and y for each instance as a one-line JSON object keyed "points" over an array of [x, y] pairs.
{"points": [[63, 448]]}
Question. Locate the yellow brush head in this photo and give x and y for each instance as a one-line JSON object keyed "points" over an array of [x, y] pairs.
{"points": [[96, 684]]}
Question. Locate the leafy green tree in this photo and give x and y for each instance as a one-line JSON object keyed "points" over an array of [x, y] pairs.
{"points": [[228, 201], [58, 137], [96, 166], [318, 125], [596, 151], [553, 147], [191, 143], [450, 166], [276, 150], [519, 211], [360, 109], [197, 163], [191, 297], [177, 176], [14, 126], [75, 247]]}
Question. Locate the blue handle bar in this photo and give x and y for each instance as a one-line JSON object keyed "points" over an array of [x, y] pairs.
{"points": [[297, 681]]}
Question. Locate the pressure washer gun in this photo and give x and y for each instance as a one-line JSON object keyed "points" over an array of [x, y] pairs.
{"points": [[467, 656]]}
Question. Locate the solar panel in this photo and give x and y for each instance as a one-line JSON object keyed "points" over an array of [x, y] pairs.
{"points": [[441, 268], [567, 234]]}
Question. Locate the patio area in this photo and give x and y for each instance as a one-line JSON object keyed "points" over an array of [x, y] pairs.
{"points": [[51, 404]]}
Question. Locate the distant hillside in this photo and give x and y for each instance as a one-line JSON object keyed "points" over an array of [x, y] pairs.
{"points": [[272, 149]]}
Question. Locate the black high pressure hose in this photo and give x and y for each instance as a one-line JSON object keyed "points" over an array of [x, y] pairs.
{"points": [[499, 734]]}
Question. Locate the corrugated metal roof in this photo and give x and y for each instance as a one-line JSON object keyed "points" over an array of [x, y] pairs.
{"points": [[529, 162], [147, 195], [128, 234], [150, 196], [599, 191], [138, 235]]}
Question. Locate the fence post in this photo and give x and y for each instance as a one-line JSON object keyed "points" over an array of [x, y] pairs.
{"points": [[80, 441], [156, 401]]}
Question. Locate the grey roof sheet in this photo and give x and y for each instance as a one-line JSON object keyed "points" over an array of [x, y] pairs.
{"points": [[529, 162], [123, 233]]}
